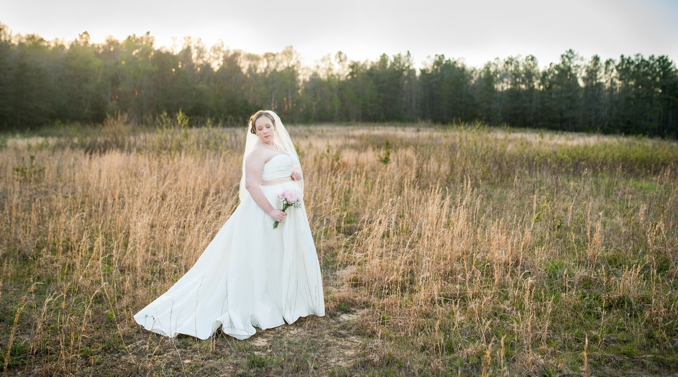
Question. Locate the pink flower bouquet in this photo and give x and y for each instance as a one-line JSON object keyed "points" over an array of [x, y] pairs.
{"points": [[288, 198]]}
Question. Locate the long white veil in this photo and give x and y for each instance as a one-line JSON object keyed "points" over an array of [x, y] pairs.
{"points": [[283, 139]]}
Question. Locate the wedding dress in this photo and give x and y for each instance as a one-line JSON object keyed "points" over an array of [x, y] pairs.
{"points": [[250, 275]]}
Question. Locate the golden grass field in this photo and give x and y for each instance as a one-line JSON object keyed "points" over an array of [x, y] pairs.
{"points": [[457, 250]]}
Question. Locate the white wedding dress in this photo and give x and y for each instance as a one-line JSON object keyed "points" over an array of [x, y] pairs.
{"points": [[249, 275]]}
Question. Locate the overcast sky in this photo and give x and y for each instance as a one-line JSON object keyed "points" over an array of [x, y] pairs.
{"points": [[476, 30]]}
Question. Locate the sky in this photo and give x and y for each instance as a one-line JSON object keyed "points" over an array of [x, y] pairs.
{"points": [[476, 30]]}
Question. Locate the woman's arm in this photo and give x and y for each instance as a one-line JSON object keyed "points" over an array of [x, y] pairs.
{"points": [[254, 167]]}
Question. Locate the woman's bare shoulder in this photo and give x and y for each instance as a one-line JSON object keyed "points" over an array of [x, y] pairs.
{"points": [[255, 153], [259, 153]]}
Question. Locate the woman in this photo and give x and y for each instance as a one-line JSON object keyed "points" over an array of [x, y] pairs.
{"points": [[250, 274]]}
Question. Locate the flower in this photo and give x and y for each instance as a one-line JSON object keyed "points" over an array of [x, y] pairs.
{"points": [[288, 198]]}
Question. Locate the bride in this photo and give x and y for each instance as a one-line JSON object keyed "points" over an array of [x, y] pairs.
{"points": [[250, 274]]}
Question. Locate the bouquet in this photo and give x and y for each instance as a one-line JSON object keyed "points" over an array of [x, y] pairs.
{"points": [[288, 198]]}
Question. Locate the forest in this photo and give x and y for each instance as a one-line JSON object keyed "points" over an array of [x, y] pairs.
{"points": [[50, 82]]}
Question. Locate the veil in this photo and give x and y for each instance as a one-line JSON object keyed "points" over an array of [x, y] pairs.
{"points": [[283, 139]]}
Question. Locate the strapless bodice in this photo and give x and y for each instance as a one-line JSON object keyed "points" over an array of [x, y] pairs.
{"points": [[280, 166]]}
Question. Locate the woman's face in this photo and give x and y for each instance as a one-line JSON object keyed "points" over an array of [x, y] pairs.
{"points": [[264, 128]]}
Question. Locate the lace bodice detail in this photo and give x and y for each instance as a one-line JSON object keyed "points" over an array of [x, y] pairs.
{"points": [[280, 166]]}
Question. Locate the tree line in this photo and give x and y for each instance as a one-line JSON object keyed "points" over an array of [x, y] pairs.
{"points": [[43, 82]]}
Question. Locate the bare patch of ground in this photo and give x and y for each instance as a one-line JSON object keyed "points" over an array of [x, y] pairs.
{"points": [[329, 345]]}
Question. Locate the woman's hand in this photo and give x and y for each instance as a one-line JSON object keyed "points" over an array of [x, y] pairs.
{"points": [[277, 215], [296, 175]]}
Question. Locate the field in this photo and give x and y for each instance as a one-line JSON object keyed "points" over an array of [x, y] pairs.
{"points": [[445, 250]]}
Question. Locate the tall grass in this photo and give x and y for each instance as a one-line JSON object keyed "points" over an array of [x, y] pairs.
{"points": [[463, 249]]}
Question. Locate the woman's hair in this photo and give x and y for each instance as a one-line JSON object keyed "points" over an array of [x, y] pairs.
{"points": [[258, 115]]}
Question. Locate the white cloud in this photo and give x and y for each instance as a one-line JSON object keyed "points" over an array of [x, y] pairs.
{"points": [[477, 30]]}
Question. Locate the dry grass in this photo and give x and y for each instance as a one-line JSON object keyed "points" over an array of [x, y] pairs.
{"points": [[444, 251]]}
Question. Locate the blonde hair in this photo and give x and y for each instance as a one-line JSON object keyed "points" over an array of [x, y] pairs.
{"points": [[258, 115]]}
